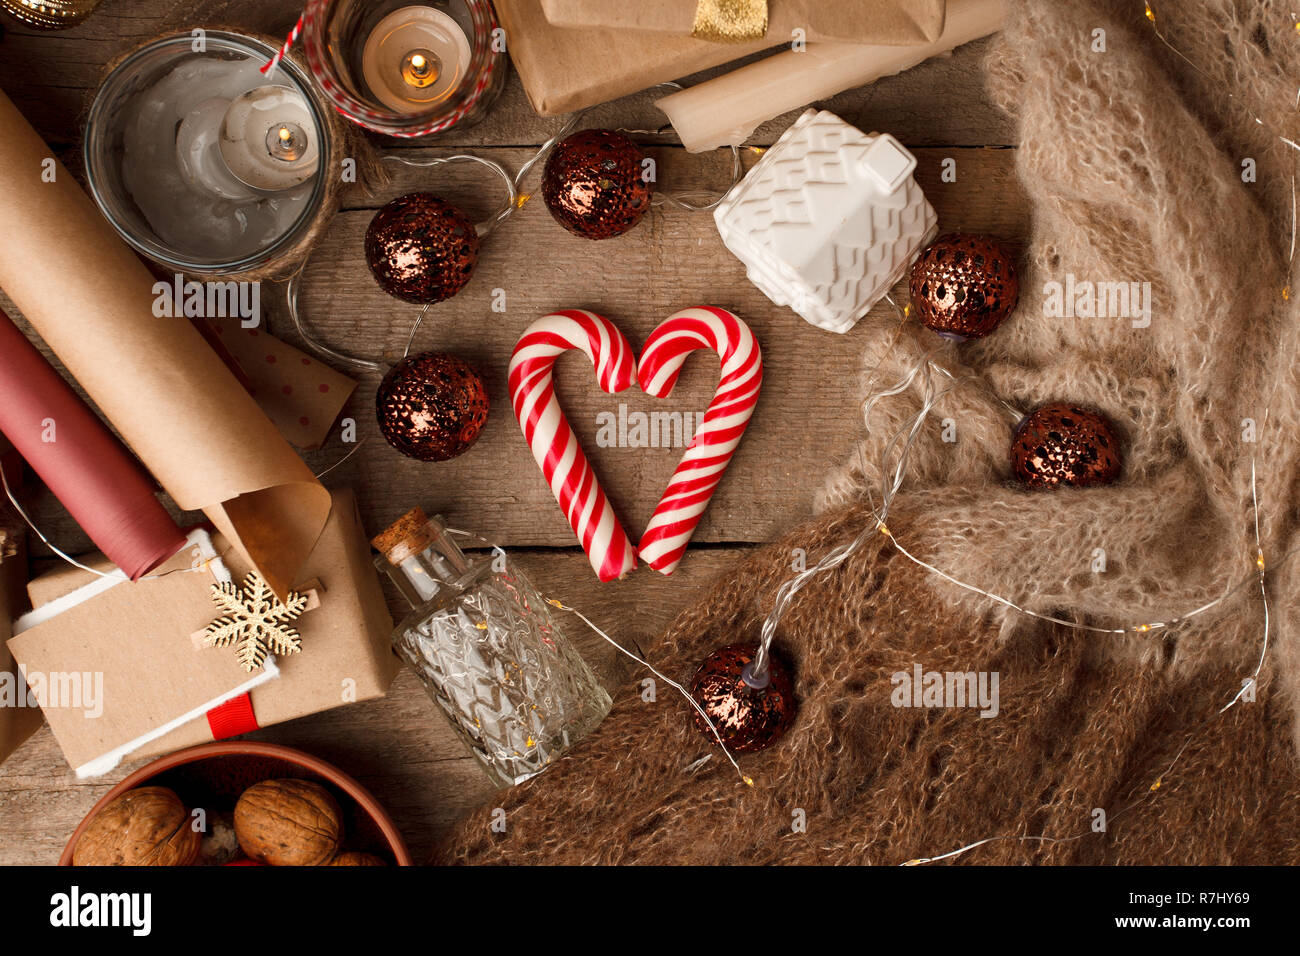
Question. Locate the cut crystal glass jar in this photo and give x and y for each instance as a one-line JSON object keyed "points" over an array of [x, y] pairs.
{"points": [[484, 643]]}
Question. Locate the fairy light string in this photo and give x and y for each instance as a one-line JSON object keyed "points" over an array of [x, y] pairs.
{"points": [[1247, 685], [745, 778], [690, 698], [64, 556], [517, 197], [474, 540], [897, 450], [900, 444], [22, 513]]}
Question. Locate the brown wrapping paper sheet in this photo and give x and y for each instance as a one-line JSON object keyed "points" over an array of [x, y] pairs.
{"points": [[302, 396], [155, 379], [843, 21], [564, 70], [346, 639], [117, 654], [726, 109]]}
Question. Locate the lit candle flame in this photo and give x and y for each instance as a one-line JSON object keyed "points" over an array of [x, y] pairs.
{"points": [[286, 142], [421, 68]]}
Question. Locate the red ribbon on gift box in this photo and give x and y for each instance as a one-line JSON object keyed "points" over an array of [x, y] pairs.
{"points": [[232, 718]]}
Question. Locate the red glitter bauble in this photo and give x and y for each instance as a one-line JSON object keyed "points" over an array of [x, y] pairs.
{"points": [[747, 719], [964, 286], [421, 248], [594, 184], [1061, 444], [431, 406]]}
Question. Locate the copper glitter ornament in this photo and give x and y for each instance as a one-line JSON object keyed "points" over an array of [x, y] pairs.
{"points": [[963, 286], [1062, 444], [431, 406], [747, 718], [421, 248], [594, 184]]}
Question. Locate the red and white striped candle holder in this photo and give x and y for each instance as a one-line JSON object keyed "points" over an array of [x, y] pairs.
{"points": [[406, 68]]}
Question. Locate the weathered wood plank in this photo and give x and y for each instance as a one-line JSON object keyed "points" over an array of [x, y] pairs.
{"points": [[806, 417], [51, 77], [400, 748]]}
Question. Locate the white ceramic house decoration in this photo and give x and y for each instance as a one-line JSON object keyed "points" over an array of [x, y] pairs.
{"points": [[828, 220]]}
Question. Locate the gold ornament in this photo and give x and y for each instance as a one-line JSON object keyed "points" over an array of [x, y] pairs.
{"points": [[49, 14], [255, 621], [730, 21]]}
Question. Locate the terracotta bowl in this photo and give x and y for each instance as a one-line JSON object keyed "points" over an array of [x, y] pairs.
{"points": [[214, 775]]}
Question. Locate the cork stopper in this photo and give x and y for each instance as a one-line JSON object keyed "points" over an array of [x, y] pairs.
{"points": [[407, 535]]}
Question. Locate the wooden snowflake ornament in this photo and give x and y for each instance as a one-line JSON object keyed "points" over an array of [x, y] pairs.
{"points": [[255, 621]]}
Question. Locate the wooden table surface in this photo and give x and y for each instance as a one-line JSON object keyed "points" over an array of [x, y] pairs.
{"points": [[400, 747]]}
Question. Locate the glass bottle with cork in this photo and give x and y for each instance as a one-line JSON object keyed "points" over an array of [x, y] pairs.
{"points": [[485, 646]]}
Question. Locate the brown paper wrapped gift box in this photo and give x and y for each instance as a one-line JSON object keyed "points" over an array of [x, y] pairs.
{"points": [[569, 68], [842, 21], [564, 70], [345, 655]]}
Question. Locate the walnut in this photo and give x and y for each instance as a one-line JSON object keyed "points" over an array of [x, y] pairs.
{"points": [[288, 823], [147, 826], [354, 858]]}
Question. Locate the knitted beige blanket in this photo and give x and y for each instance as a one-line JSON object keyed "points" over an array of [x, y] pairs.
{"points": [[1160, 165]]}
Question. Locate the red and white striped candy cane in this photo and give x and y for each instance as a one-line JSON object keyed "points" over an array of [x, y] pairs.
{"points": [[547, 431], [285, 47], [705, 461]]}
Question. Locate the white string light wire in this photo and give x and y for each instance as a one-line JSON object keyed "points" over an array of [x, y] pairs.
{"points": [[696, 201]]}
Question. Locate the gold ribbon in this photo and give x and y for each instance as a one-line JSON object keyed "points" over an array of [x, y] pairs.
{"points": [[730, 21]]}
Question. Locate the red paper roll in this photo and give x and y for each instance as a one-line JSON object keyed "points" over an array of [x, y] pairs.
{"points": [[103, 487]]}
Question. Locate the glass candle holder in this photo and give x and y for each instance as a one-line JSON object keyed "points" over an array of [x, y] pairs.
{"points": [[203, 163], [49, 14], [406, 68], [483, 642]]}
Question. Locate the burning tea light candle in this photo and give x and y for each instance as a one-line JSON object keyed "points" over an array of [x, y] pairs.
{"points": [[259, 141], [265, 139], [414, 58], [201, 160]]}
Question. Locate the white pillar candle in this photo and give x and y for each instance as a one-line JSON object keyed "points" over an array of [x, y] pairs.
{"points": [[269, 139], [725, 111], [415, 58], [263, 140], [198, 154]]}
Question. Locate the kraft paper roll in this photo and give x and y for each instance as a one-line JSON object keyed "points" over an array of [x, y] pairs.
{"points": [[156, 380], [102, 486]]}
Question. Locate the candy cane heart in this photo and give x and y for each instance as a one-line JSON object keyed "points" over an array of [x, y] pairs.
{"points": [[553, 443], [701, 468]]}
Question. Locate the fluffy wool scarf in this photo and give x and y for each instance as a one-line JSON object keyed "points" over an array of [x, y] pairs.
{"points": [[1137, 163]]}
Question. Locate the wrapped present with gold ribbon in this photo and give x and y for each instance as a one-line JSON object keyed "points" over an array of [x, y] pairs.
{"points": [[744, 21], [572, 54]]}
